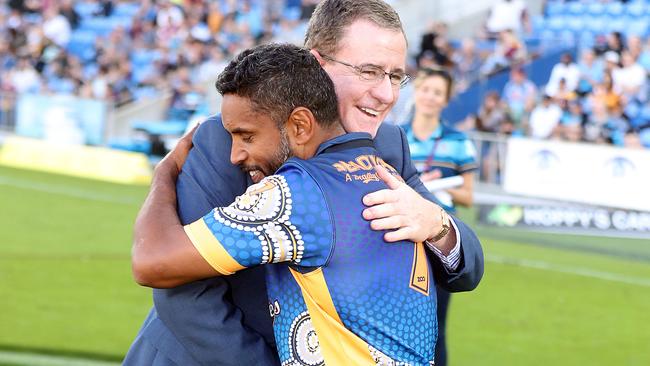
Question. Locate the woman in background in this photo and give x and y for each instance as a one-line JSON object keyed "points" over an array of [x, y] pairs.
{"points": [[439, 151]]}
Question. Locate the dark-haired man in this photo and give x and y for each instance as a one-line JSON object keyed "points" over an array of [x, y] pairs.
{"points": [[333, 277], [361, 46]]}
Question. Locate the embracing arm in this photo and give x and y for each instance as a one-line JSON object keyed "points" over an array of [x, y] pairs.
{"points": [[218, 320], [162, 255]]}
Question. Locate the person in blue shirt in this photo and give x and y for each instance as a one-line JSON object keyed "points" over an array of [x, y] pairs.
{"points": [[439, 152], [225, 320]]}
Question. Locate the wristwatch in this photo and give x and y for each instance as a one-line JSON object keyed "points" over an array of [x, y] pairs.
{"points": [[444, 219]]}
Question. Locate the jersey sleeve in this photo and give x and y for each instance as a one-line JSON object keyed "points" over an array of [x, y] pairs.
{"points": [[283, 218], [466, 155]]}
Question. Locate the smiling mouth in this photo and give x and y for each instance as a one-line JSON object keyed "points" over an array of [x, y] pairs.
{"points": [[256, 175], [369, 111]]}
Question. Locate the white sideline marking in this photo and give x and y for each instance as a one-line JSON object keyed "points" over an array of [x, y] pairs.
{"points": [[65, 191], [608, 276], [34, 359]]}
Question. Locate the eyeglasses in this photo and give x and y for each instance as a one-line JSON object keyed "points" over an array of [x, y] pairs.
{"points": [[375, 73]]}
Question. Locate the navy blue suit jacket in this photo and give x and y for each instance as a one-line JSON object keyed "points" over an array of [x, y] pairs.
{"points": [[201, 323]]}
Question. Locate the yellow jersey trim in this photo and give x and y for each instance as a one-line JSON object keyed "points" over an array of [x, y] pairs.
{"points": [[338, 345], [211, 249], [420, 270]]}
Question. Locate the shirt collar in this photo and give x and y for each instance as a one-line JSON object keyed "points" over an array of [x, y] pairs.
{"points": [[343, 139]]}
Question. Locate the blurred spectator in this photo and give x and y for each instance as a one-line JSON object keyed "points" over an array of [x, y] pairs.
{"points": [[591, 71], [306, 8], [105, 8], [24, 78], [634, 46], [602, 95], [630, 80], [212, 66], [613, 42], [644, 57], [563, 94], [434, 45], [56, 27], [594, 126], [186, 96], [632, 140], [612, 60], [466, 64], [544, 118], [492, 116], [565, 70], [616, 126], [67, 10], [250, 19], [509, 50], [507, 15], [570, 128], [519, 95]]}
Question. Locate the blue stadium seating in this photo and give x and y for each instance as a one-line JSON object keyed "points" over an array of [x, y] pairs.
{"points": [[575, 8], [614, 8], [637, 9], [86, 9], [554, 8], [82, 45], [126, 9], [595, 8]]}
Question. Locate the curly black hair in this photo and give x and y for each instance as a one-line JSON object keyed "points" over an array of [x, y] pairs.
{"points": [[277, 78]]}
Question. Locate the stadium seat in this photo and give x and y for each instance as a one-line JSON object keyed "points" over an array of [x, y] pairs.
{"points": [[538, 23], [168, 127], [99, 25], [617, 24], [636, 8], [124, 21], [586, 39], [638, 27], [140, 73], [595, 8], [597, 24], [82, 45], [145, 92], [136, 145], [555, 8], [575, 8], [567, 38], [575, 23], [86, 9], [556, 23], [644, 135], [614, 8], [126, 9]]}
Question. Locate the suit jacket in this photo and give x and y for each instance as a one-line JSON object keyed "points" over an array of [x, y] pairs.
{"points": [[224, 320]]}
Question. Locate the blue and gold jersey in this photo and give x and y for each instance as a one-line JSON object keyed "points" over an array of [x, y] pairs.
{"points": [[338, 293]]}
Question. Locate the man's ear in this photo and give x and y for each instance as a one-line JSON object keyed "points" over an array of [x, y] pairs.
{"points": [[316, 54], [301, 126]]}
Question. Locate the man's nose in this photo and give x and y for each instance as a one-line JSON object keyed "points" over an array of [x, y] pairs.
{"points": [[385, 92], [237, 155]]}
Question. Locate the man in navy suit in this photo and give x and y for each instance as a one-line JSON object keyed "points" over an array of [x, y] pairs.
{"points": [[225, 321]]}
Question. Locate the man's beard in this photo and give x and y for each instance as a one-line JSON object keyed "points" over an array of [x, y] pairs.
{"points": [[282, 154]]}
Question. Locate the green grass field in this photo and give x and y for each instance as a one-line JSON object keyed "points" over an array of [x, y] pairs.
{"points": [[67, 291]]}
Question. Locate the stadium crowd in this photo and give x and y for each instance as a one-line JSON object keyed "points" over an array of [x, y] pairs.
{"points": [[120, 51]]}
